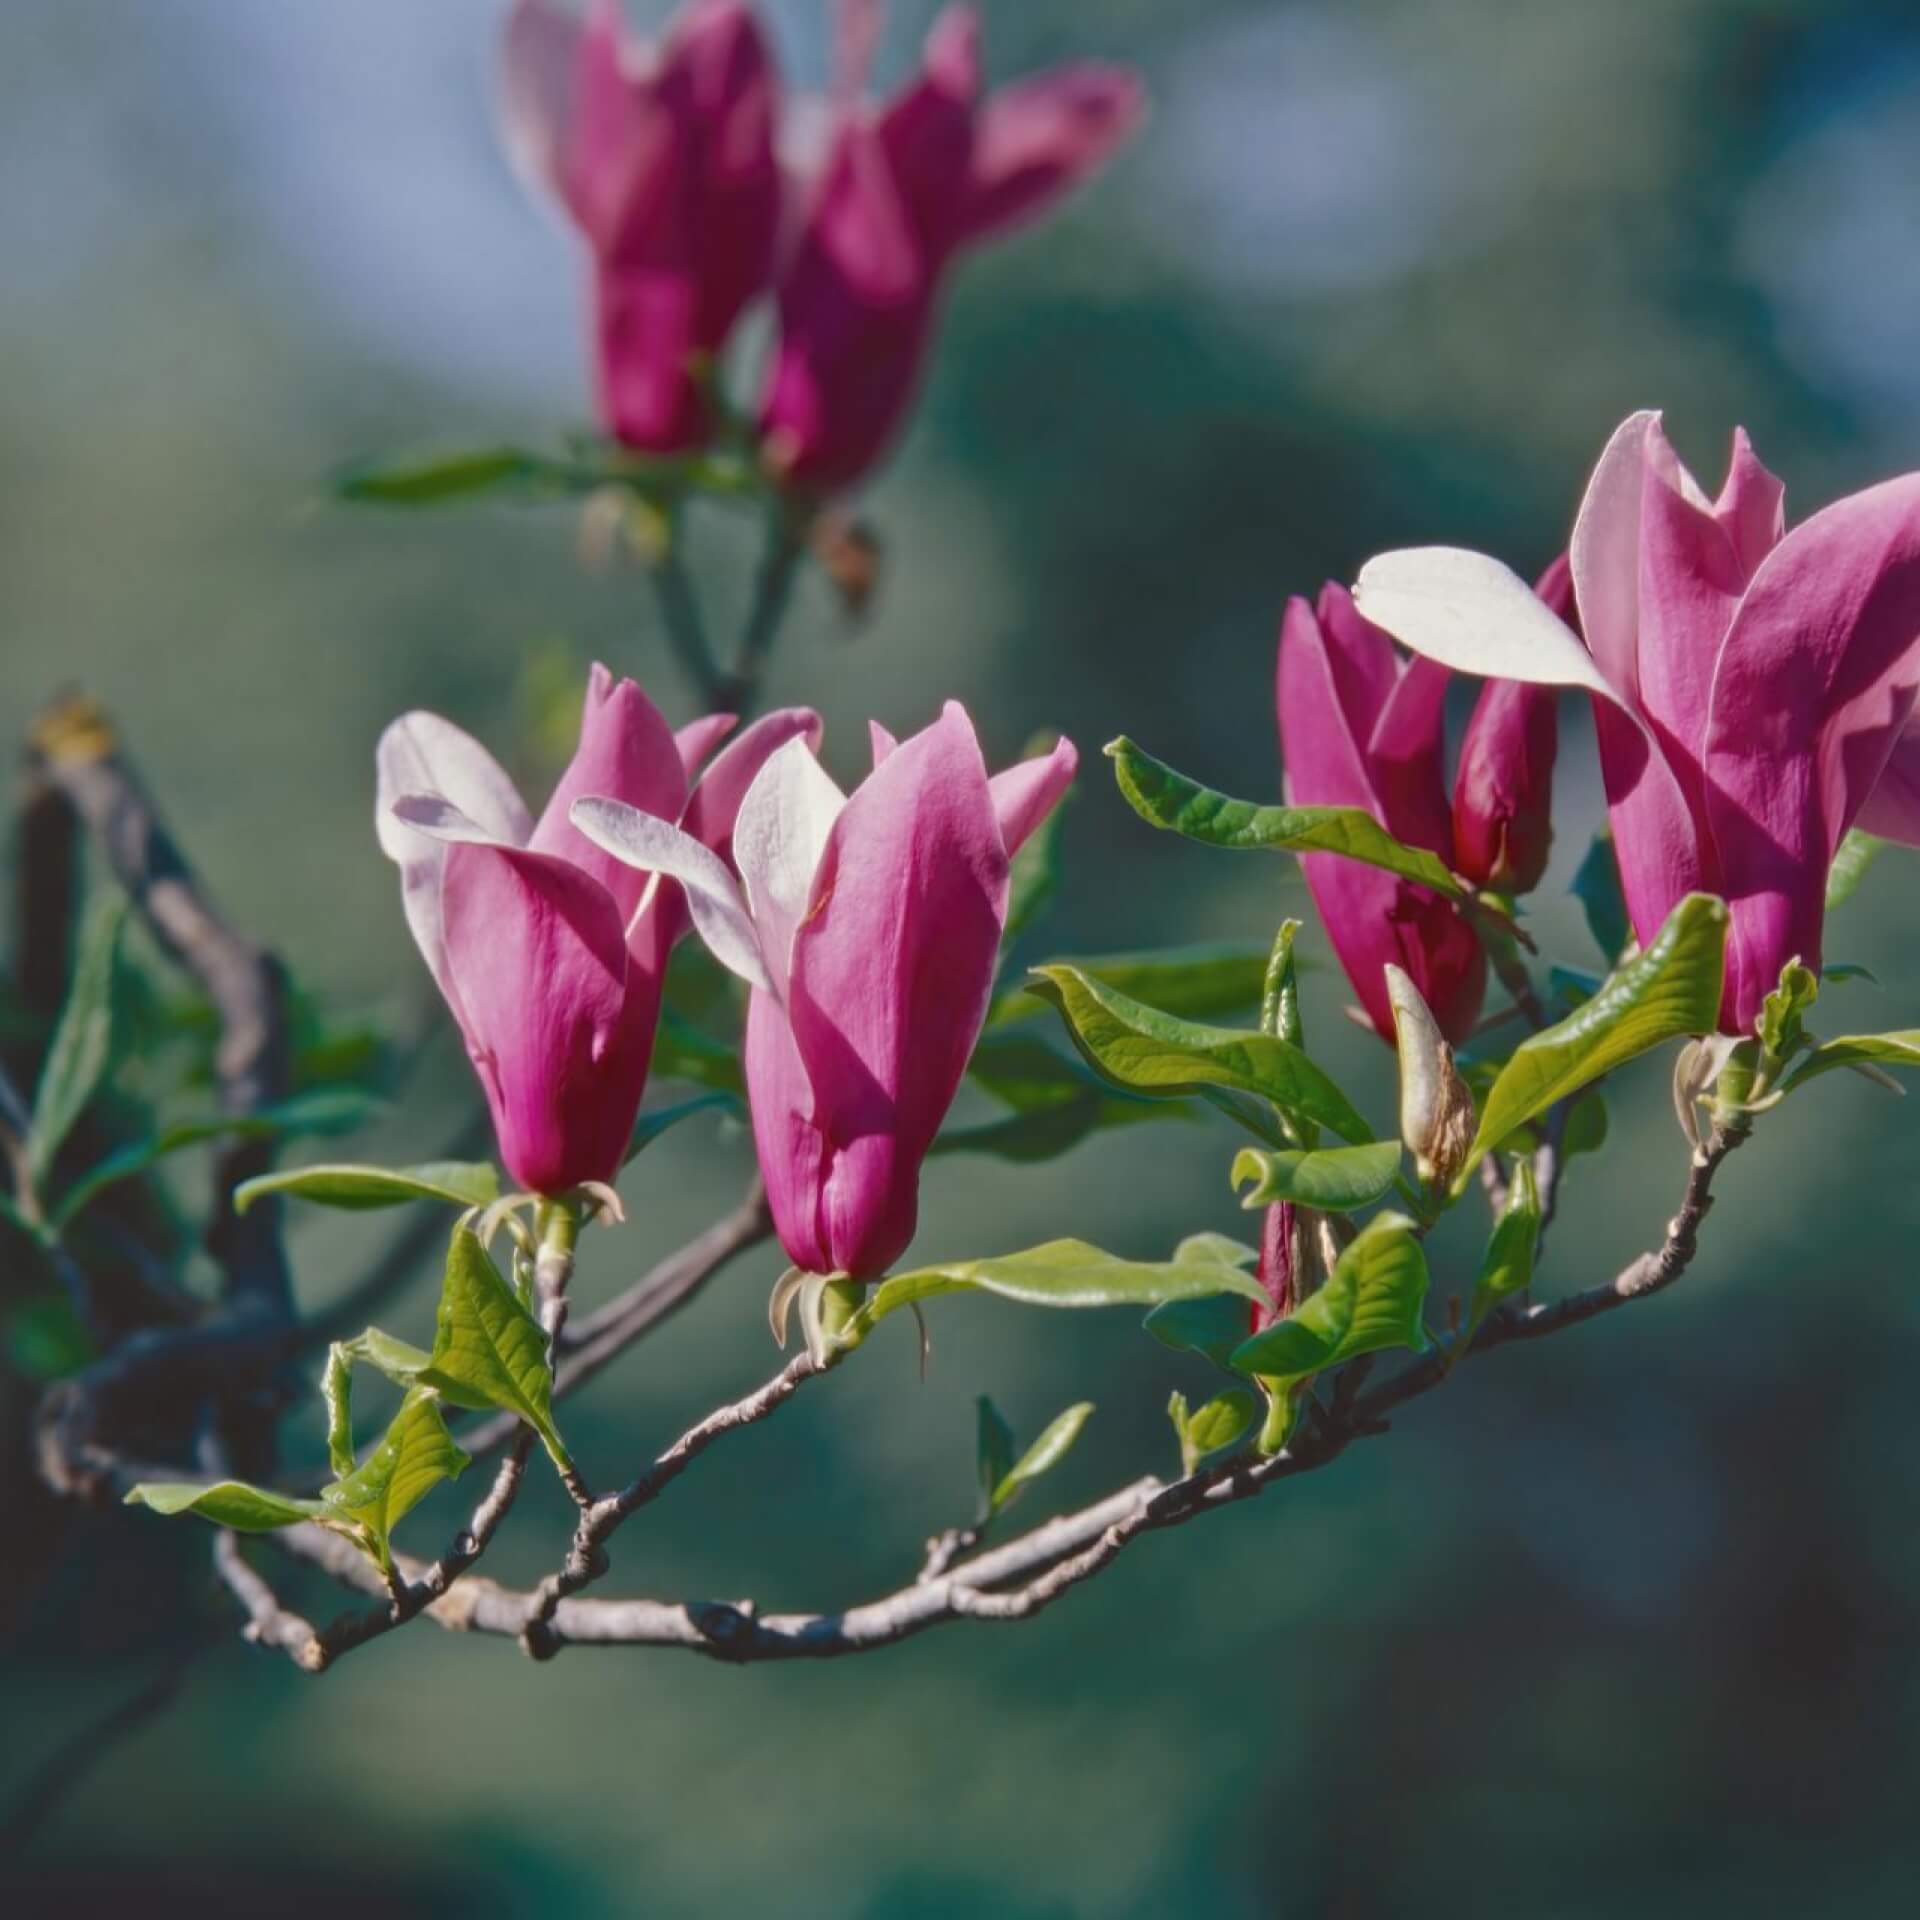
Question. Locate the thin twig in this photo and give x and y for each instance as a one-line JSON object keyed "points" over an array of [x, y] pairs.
{"points": [[686, 630], [269, 1624], [773, 589]]}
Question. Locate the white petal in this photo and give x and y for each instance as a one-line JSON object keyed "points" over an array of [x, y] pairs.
{"points": [[439, 819], [539, 56], [779, 835], [1471, 613], [420, 753], [653, 845]]}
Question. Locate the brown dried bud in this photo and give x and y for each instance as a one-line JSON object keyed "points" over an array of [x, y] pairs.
{"points": [[1436, 1106]]}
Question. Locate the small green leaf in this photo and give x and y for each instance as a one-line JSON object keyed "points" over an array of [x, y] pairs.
{"points": [[993, 1451], [1372, 1301], [1196, 983], [1146, 1051], [1586, 1130], [432, 480], [1061, 1273], [336, 1395], [1060, 1434], [1333, 1179], [1168, 799], [488, 1350], [461, 1183], [1857, 852], [324, 1110], [1670, 990], [228, 1503], [1901, 1049], [82, 1047], [415, 1456], [1218, 1424], [1596, 885], [1280, 989], [1832, 972], [1780, 1025], [1215, 1326], [1507, 1268], [650, 1126]]}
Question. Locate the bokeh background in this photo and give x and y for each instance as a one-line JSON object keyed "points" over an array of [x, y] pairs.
{"points": [[1624, 1623]]}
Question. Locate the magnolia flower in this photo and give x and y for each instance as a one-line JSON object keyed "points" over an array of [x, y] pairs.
{"points": [[549, 954], [663, 158], [904, 189], [869, 928], [1361, 728], [1751, 686]]}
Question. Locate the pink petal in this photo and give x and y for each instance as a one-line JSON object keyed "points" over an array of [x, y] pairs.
{"points": [[716, 799], [646, 342], [1041, 137], [892, 971], [1320, 750], [626, 752], [539, 962], [1816, 684], [1406, 758], [1752, 508], [881, 739], [539, 64], [1024, 794], [1503, 787], [791, 1149], [1604, 554], [698, 738], [1892, 809]]}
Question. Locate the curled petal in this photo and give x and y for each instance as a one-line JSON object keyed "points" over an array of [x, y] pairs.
{"points": [[1024, 794], [1406, 757], [778, 840]]}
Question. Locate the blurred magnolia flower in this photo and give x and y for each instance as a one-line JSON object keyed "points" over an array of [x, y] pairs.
{"points": [[869, 928], [663, 157], [1753, 687], [550, 955]]}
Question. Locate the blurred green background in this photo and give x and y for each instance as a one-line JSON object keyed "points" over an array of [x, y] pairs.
{"points": [[1623, 1623]]}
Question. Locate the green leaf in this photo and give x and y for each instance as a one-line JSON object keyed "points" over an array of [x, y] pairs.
{"points": [[1781, 1024], [650, 1126], [1222, 1247], [416, 1454], [1280, 989], [1856, 853], [1060, 1434], [1333, 1179], [324, 1110], [1197, 983], [228, 1503], [1164, 798], [1671, 989], [993, 1450], [1214, 1327], [681, 1051], [1371, 1302], [1216, 1425], [461, 1183], [434, 479], [1832, 972], [1586, 1129], [1061, 1273], [1901, 1049], [1596, 885], [82, 1045], [1508, 1265], [1147, 1051], [488, 1350]]}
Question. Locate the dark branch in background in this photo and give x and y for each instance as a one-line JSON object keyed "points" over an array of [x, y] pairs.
{"points": [[161, 1376], [46, 889], [1027, 1574], [739, 690]]}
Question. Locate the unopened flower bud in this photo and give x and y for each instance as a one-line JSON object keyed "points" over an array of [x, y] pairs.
{"points": [[1436, 1107]]}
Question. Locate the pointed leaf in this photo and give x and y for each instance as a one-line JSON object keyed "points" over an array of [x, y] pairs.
{"points": [[1371, 1301], [1333, 1179], [1147, 1051], [488, 1350], [431, 480], [82, 1045], [1215, 1327], [461, 1183], [228, 1503], [993, 1451], [415, 1456], [650, 1126], [1781, 1022], [1670, 990], [1168, 799], [1218, 1424], [1901, 1049], [1196, 983], [1857, 852], [1508, 1265], [1060, 1434]]}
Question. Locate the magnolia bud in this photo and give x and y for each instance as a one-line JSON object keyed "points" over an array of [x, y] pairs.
{"points": [[1503, 791], [1436, 1108]]}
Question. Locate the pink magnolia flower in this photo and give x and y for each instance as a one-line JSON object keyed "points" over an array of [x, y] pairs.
{"points": [[549, 954], [1360, 727], [663, 157], [1753, 686], [904, 189], [869, 928]]}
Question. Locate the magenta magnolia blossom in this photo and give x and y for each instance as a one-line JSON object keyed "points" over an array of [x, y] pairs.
{"points": [[1360, 727], [664, 159], [1753, 686], [550, 954], [869, 927], [904, 189]]}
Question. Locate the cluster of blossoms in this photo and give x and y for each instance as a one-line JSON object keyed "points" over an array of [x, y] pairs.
{"points": [[698, 187]]}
